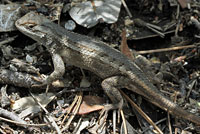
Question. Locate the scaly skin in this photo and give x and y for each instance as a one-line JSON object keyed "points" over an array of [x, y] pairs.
{"points": [[96, 56]]}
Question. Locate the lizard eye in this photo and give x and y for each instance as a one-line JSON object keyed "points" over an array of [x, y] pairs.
{"points": [[30, 24]]}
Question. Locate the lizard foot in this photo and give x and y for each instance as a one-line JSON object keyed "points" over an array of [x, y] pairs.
{"points": [[105, 110], [109, 107], [103, 115], [44, 82]]}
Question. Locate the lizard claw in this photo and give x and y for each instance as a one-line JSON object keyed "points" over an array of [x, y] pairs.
{"points": [[109, 107], [104, 112], [103, 116]]}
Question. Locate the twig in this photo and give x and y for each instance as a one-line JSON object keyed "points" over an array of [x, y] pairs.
{"points": [[48, 115], [12, 116], [26, 80], [17, 78], [127, 10], [124, 122], [158, 122], [22, 124], [191, 88], [77, 126], [114, 121], [162, 35], [176, 131], [75, 110], [146, 117], [177, 28], [69, 110], [165, 49], [72, 90], [177, 11], [169, 123], [154, 28]]}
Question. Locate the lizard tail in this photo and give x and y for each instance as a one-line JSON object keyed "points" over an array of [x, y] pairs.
{"points": [[172, 108], [154, 96]]}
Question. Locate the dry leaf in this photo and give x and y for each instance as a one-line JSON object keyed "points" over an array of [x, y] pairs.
{"points": [[124, 47], [27, 102], [183, 3], [89, 13], [8, 15], [91, 104]]}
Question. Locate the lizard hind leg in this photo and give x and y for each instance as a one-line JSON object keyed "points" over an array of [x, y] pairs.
{"points": [[110, 86]]}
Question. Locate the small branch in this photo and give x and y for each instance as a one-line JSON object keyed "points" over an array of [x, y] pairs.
{"points": [[48, 116], [165, 49], [26, 80], [11, 115], [124, 122], [17, 78], [22, 124], [139, 110], [126, 7]]}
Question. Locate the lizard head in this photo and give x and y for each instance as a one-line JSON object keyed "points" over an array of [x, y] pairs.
{"points": [[31, 25]]}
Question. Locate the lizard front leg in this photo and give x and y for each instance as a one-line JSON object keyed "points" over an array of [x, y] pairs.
{"points": [[59, 70]]}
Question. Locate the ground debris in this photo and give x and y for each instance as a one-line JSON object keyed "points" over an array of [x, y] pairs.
{"points": [[160, 36]]}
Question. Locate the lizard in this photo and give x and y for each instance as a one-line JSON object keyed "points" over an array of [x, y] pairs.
{"points": [[116, 70]]}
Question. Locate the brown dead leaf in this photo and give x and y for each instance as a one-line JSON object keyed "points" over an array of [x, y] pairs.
{"points": [[124, 47], [183, 3], [91, 104]]}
